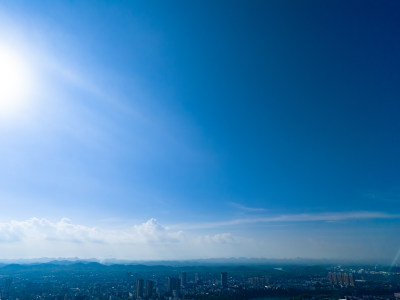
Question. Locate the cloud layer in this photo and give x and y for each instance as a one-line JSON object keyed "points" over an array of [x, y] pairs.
{"points": [[150, 240], [39, 237]]}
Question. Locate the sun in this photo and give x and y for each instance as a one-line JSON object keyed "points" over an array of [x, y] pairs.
{"points": [[15, 82]]}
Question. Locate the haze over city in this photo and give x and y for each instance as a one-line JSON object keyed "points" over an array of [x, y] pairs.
{"points": [[173, 130]]}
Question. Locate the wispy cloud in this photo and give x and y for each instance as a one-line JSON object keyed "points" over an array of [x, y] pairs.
{"points": [[316, 217], [222, 238], [247, 208]]}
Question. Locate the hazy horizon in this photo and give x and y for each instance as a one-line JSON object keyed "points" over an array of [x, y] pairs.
{"points": [[215, 261], [177, 130]]}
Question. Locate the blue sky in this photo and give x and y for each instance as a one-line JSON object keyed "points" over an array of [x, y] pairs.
{"points": [[205, 129]]}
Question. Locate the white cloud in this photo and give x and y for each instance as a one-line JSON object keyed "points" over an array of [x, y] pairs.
{"points": [[150, 240], [43, 229], [152, 231], [64, 230], [223, 238]]}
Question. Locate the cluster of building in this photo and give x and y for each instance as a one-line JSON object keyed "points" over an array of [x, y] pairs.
{"points": [[175, 287], [98, 282], [342, 279], [260, 281]]}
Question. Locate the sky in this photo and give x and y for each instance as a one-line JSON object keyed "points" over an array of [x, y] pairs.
{"points": [[199, 129]]}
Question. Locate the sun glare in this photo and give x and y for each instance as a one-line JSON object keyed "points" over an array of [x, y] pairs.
{"points": [[15, 82]]}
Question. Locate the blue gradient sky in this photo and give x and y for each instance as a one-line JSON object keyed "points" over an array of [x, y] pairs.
{"points": [[224, 128]]}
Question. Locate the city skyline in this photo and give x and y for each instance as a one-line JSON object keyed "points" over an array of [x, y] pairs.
{"points": [[182, 130]]}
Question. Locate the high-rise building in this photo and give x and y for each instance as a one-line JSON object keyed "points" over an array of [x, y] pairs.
{"points": [[224, 279], [149, 288], [330, 277], [351, 279], [339, 278], [173, 284], [139, 288], [335, 278], [7, 287], [183, 279], [345, 278]]}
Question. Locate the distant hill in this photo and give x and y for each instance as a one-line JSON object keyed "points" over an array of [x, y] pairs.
{"points": [[241, 261]]}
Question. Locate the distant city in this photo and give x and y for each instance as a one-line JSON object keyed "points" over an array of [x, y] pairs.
{"points": [[65, 279]]}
